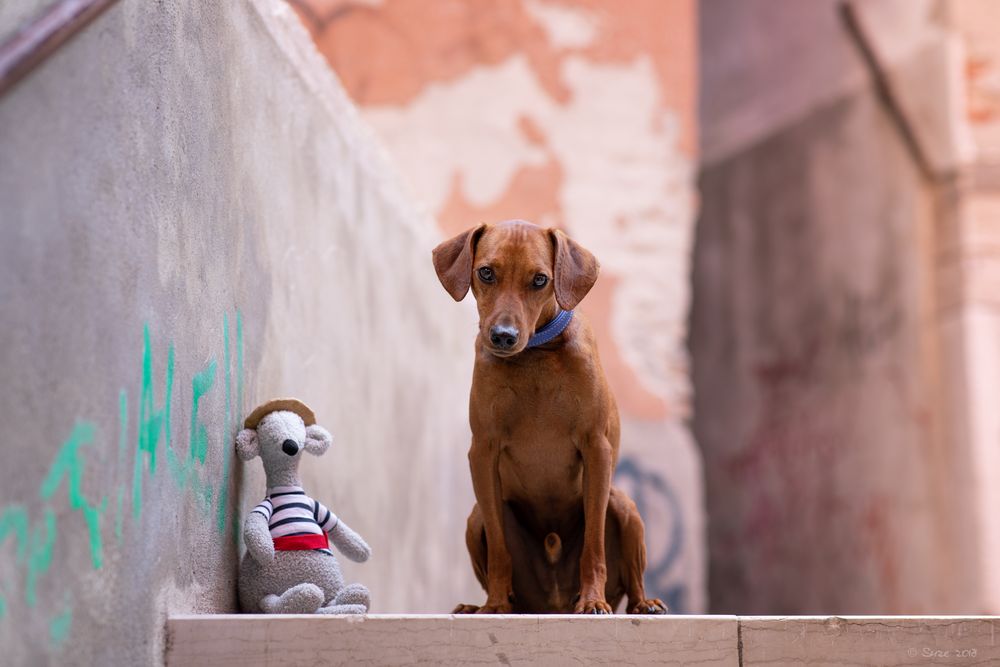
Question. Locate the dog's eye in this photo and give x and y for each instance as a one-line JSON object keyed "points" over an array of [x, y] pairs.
{"points": [[486, 274], [540, 281]]}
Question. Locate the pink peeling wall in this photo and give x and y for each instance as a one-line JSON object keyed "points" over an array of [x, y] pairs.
{"points": [[572, 115]]}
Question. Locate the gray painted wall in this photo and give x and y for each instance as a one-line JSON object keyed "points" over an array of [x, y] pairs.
{"points": [[194, 220]]}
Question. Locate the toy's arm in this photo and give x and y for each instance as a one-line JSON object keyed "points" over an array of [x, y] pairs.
{"points": [[346, 540], [258, 538], [350, 543]]}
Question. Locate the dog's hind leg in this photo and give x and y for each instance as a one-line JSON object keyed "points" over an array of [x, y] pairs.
{"points": [[633, 553], [475, 542]]}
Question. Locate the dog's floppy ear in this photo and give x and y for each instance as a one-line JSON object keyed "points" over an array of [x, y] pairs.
{"points": [[318, 440], [453, 262], [575, 270], [247, 445]]}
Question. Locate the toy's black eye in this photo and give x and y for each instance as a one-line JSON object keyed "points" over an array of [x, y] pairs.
{"points": [[540, 281], [486, 274]]}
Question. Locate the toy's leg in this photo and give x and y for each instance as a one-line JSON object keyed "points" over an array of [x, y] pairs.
{"points": [[301, 599], [354, 594]]}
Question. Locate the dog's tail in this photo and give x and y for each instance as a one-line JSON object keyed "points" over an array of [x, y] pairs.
{"points": [[553, 548]]}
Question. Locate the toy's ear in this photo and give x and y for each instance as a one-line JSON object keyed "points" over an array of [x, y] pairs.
{"points": [[575, 271], [247, 445], [453, 262], [318, 439]]}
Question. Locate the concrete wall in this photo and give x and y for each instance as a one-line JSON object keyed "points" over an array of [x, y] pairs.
{"points": [[195, 220], [575, 115], [839, 476]]}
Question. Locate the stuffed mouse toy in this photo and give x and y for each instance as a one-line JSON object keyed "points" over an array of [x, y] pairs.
{"points": [[288, 567]]}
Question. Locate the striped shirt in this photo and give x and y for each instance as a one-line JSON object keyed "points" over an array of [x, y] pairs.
{"points": [[289, 511]]}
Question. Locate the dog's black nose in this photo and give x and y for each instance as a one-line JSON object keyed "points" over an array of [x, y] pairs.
{"points": [[503, 337], [290, 447]]}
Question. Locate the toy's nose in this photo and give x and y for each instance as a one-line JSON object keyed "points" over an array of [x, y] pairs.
{"points": [[290, 447]]}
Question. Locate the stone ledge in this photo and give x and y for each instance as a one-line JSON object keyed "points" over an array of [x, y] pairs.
{"points": [[869, 640], [248, 640]]}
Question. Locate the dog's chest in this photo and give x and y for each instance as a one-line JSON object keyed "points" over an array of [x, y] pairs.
{"points": [[538, 433], [533, 405], [547, 399], [537, 415]]}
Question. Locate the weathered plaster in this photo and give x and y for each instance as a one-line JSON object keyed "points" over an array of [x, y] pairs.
{"points": [[570, 115]]}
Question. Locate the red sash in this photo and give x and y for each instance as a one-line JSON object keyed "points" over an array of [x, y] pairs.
{"points": [[300, 542]]}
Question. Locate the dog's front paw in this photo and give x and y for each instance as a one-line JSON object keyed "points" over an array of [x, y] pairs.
{"points": [[495, 608], [650, 606], [465, 609], [593, 607]]}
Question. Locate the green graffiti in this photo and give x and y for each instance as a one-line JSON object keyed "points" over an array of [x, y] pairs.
{"points": [[151, 422], [226, 435], [39, 555], [60, 626], [68, 464], [35, 540], [15, 519], [122, 438], [200, 385], [184, 473]]}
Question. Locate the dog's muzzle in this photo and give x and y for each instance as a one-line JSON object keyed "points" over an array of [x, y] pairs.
{"points": [[503, 337]]}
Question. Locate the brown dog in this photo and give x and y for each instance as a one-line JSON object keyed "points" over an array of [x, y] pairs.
{"points": [[548, 533]]}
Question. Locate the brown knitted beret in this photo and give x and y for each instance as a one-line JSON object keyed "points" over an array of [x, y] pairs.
{"points": [[289, 404]]}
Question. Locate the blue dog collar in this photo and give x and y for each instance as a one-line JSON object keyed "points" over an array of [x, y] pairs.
{"points": [[553, 328]]}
